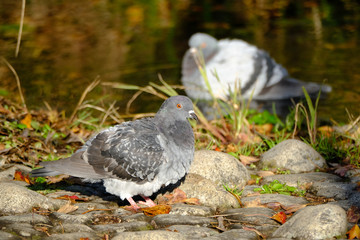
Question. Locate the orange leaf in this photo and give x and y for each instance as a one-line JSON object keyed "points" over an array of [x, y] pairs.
{"points": [[353, 214], [156, 210], [246, 160], [19, 176], [67, 208], [254, 203], [280, 217], [217, 149], [73, 198], [354, 232], [192, 201], [27, 120]]}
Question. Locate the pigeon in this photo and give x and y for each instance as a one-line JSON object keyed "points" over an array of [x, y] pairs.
{"points": [[241, 66], [136, 157]]}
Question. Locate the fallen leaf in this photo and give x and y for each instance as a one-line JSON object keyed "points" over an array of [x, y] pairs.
{"points": [[192, 201], [73, 198], [280, 217], [56, 179], [19, 176], [246, 160], [67, 208], [254, 203], [274, 205], [178, 196], [265, 173], [353, 214], [342, 170], [156, 210], [326, 130], [264, 129], [354, 232], [293, 208], [27, 120]]}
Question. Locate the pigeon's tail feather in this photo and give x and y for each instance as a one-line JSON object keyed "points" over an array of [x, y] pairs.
{"points": [[42, 172], [73, 166]]}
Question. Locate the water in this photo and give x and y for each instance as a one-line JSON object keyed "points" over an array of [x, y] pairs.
{"points": [[66, 44]]}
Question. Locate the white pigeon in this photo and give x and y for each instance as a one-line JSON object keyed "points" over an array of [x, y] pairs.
{"points": [[136, 157]]}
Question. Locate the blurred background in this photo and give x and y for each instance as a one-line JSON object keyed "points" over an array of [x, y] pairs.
{"points": [[66, 44]]}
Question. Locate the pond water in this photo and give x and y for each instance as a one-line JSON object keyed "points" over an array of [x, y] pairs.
{"points": [[66, 44]]}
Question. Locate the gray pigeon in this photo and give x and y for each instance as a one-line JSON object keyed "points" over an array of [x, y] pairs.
{"points": [[136, 157], [237, 62]]}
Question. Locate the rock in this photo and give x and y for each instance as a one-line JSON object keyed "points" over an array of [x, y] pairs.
{"points": [[238, 234], [252, 216], [123, 227], [193, 231], [72, 236], [296, 180], [136, 217], [8, 236], [336, 190], [18, 199], [150, 235], [209, 194], [164, 220], [315, 222], [70, 228], [293, 155], [221, 168], [24, 230], [71, 219], [191, 210], [268, 198], [31, 218]]}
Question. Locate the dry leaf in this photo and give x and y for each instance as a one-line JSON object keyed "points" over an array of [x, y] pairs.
{"points": [[19, 176], [264, 129], [254, 203], [280, 217], [246, 160], [354, 232], [265, 173], [353, 214], [326, 130], [178, 196], [293, 208], [192, 201], [67, 208], [156, 210], [27, 120], [73, 198], [56, 179], [274, 205]]}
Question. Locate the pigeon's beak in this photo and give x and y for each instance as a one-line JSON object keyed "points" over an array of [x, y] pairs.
{"points": [[192, 115]]}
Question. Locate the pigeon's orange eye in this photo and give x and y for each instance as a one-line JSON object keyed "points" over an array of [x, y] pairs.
{"points": [[178, 105]]}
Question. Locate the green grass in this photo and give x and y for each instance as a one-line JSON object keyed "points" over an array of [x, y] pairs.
{"points": [[277, 187]]}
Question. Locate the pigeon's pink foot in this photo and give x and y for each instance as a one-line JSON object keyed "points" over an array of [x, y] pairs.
{"points": [[134, 206], [148, 202]]}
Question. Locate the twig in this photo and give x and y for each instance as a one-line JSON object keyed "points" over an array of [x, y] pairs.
{"points": [[86, 91], [17, 82], [21, 28]]}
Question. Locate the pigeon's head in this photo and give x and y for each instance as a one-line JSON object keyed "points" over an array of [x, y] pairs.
{"points": [[178, 107], [205, 43]]}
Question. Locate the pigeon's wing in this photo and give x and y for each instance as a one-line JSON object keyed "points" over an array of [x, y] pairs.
{"points": [[130, 151]]}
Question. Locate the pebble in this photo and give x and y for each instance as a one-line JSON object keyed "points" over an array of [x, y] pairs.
{"points": [[219, 215]]}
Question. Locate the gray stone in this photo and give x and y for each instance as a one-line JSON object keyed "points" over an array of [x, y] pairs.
{"points": [[353, 175], [252, 215], [191, 210], [72, 219], [72, 236], [235, 234], [18, 199], [221, 168], [164, 220], [268, 198], [70, 228], [293, 155], [336, 190], [123, 227], [150, 235], [8, 236], [23, 229], [249, 190], [315, 222], [193, 231], [25, 218], [265, 230], [209, 194], [136, 217], [296, 180]]}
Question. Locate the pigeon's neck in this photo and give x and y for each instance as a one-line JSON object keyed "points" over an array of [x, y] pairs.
{"points": [[175, 130]]}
